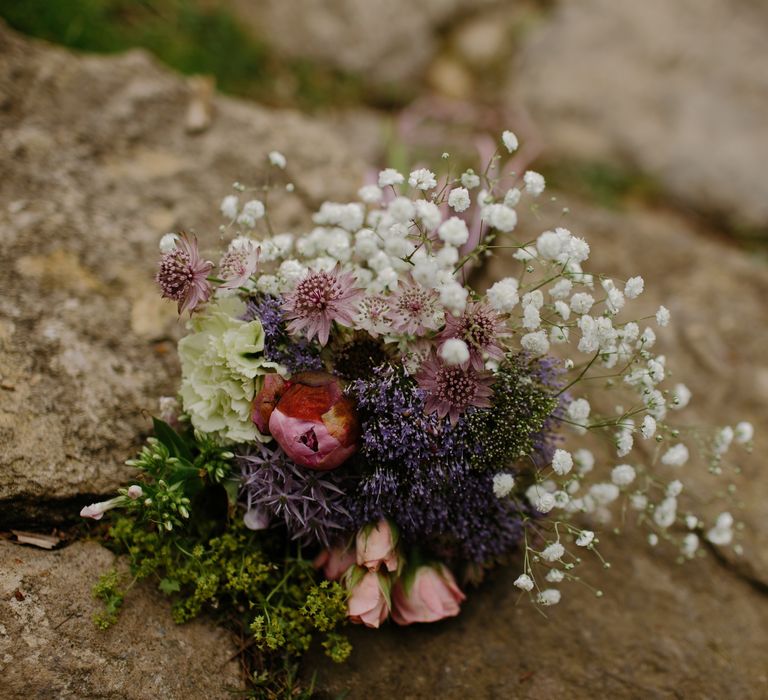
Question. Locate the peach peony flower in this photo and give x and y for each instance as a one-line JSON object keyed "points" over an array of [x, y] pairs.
{"points": [[432, 595], [367, 604], [376, 545], [334, 562], [265, 401], [314, 422]]}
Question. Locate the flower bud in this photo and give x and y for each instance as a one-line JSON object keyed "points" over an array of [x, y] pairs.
{"points": [[334, 562], [367, 603], [376, 545], [431, 595], [314, 422]]}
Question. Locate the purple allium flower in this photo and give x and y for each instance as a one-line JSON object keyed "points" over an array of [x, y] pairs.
{"points": [[238, 263], [452, 389], [481, 328], [415, 309], [319, 299], [309, 503], [297, 355], [183, 274]]}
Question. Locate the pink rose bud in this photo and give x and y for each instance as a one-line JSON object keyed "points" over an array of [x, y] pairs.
{"points": [[264, 402], [376, 545], [367, 604], [431, 595], [314, 422], [334, 562], [256, 519]]}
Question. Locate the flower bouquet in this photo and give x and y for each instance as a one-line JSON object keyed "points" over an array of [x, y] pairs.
{"points": [[359, 434]]}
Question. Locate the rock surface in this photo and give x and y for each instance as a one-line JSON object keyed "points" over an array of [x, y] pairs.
{"points": [[50, 648], [676, 89], [101, 166]]}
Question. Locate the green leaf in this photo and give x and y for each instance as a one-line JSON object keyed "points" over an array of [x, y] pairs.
{"points": [[171, 439], [168, 586]]}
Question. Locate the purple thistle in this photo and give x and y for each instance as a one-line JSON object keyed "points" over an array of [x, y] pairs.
{"points": [[308, 502], [183, 275]]}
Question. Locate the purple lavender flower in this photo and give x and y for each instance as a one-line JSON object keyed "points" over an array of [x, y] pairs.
{"points": [[309, 503]]}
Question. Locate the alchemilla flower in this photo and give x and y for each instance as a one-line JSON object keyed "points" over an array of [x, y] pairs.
{"points": [[183, 274]]}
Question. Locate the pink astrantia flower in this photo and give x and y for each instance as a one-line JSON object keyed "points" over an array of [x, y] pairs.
{"points": [[367, 603], [452, 389], [432, 595], [321, 298], [372, 314], [183, 274], [238, 263], [481, 328], [376, 546], [415, 309]]}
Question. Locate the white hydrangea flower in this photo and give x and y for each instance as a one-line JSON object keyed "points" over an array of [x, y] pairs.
{"points": [[524, 582], [675, 456], [623, 475], [277, 159], [549, 596], [510, 141], [454, 231], [553, 552], [390, 176], [459, 200], [503, 484], [422, 179], [454, 351], [562, 462], [503, 295], [229, 206], [534, 183]]}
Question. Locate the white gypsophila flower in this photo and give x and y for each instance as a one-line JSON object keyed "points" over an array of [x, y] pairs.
{"points": [[624, 443], [648, 428], [722, 533], [549, 596], [470, 179], [604, 493], [581, 303], [253, 210], [510, 141], [290, 272], [500, 217], [681, 397], [563, 310], [585, 538], [654, 403], [744, 432], [277, 159], [647, 339], [503, 295], [723, 440], [691, 522], [674, 488], [638, 501], [387, 279], [665, 513], [545, 502], [428, 213], [690, 544], [229, 206], [653, 539], [458, 199], [662, 316], [268, 284], [525, 253], [623, 475], [535, 343], [585, 460], [555, 576], [425, 272], [454, 231], [397, 247], [370, 194], [562, 499], [453, 296], [675, 456], [561, 289], [656, 370], [422, 179], [503, 484], [531, 318], [562, 462], [634, 287], [454, 351], [447, 257], [614, 301], [390, 176], [558, 335], [551, 244], [553, 552], [524, 582], [534, 183], [402, 210], [512, 197], [630, 332], [168, 242], [366, 244], [579, 410]]}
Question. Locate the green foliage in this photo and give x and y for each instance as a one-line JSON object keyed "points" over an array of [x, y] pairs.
{"points": [[521, 408], [108, 590], [192, 36]]}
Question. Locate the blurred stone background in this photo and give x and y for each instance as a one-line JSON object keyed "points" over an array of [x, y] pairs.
{"points": [[650, 122]]}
